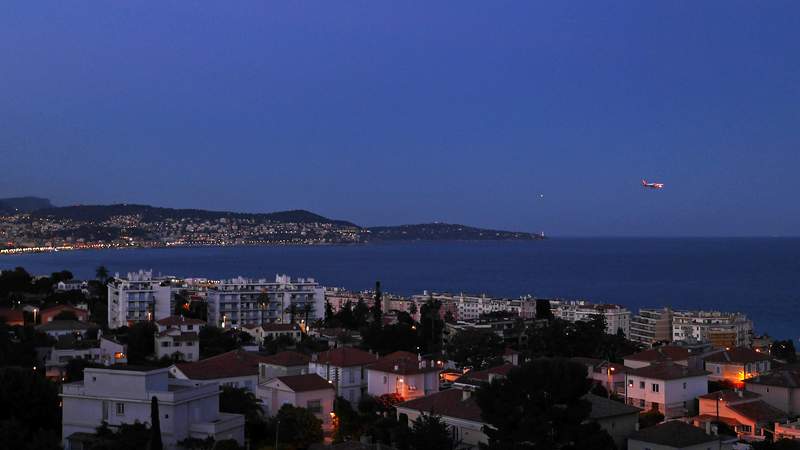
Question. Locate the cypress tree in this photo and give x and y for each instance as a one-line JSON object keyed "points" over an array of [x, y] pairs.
{"points": [[155, 427]]}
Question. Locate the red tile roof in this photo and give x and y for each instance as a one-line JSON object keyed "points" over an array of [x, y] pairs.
{"points": [[307, 382], [287, 359], [478, 377], [661, 354], [405, 363], [236, 363], [449, 403], [12, 316], [174, 321], [345, 357], [666, 371], [737, 355], [758, 411]]}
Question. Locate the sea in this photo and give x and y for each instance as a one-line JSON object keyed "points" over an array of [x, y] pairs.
{"points": [[756, 276]]}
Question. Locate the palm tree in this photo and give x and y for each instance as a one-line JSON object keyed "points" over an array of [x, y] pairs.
{"points": [[292, 310], [307, 308], [101, 274]]}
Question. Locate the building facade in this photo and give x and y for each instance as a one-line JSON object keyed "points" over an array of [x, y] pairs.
{"points": [[139, 297], [239, 301], [670, 388], [178, 338], [722, 329], [345, 368], [651, 326], [404, 374], [617, 317], [124, 394]]}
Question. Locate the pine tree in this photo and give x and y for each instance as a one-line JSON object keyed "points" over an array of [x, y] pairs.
{"points": [[155, 427]]}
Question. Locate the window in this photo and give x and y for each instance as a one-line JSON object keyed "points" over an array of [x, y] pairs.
{"points": [[684, 385], [630, 383], [190, 327], [315, 406], [641, 403], [655, 387], [717, 369], [190, 344], [165, 344], [352, 375], [385, 379], [641, 385], [120, 409]]}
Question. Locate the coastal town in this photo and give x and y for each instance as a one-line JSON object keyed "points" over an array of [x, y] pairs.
{"points": [[124, 360]]}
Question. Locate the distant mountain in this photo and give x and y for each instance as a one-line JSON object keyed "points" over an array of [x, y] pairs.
{"points": [[441, 231], [100, 213], [23, 204]]}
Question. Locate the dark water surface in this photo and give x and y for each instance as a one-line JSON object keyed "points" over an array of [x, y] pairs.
{"points": [[758, 276]]}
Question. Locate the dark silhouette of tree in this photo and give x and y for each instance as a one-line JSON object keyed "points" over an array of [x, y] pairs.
{"points": [[431, 326], [360, 314], [377, 304], [329, 315], [65, 315], [650, 418], [155, 427], [101, 273], [475, 348], [30, 416], [141, 341], [783, 350], [299, 427], [241, 401], [541, 405], [308, 308], [543, 310], [64, 275], [429, 432]]}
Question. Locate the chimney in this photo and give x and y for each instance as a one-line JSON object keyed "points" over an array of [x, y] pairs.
{"points": [[741, 393], [708, 428], [465, 394]]}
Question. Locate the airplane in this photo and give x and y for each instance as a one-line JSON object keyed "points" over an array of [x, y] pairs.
{"points": [[652, 185]]}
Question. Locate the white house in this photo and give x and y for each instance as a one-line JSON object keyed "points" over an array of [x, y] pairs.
{"points": [[779, 388], [346, 368], [403, 373], [236, 368], [309, 391], [177, 338], [678, 355], [736, 364], [668, 387], [282, 364], [106, 351], [122, 394], [270, 331], [58, 328]]}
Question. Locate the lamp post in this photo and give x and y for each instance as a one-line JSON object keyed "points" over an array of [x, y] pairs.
{"points": [[610, 369], [277, 428], [35, 311]]}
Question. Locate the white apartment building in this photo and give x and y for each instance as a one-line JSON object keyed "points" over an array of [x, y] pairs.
{"points": [[471, 307], [123, 394], [138, 297], [240, 301], [720, 328], [651, 326], [617, 317], [668, 387], [178, 338]]}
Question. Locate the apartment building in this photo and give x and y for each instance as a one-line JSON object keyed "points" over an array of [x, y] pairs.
{"points": [[239, 301], [651, 325], [721, 329], [617, 317], [123, 394], [138, 297]]}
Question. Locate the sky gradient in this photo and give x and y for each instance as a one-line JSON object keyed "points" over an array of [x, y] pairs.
{"points": [[406, 112]]}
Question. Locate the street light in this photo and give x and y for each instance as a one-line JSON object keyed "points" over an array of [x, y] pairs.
{"points": [[277, 428]]}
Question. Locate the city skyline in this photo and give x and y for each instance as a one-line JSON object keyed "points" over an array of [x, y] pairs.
{"points": [[522, 117]]}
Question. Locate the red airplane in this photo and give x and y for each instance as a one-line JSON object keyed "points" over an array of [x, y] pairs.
{"points": [[652, 185]]}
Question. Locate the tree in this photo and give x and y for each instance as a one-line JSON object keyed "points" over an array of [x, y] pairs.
{"points": [[429, 432], [475, 348], [101, 273], [377, 304], [241, 401], [329, 315], [360, 313], [650, 418], [298, 426], [541, 404], [783, 350], [349, 425], [30, 415], [155, 427], [543, 310], [64, 275], [431, 325], [74, 369], [141, 341]]}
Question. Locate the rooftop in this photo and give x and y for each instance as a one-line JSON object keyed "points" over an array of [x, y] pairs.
{"points": [[287, 358], [478, 377], [789, 378], [673, 434], [236, 363], [405, 363], [661, 354], [174, 321], [666, 371], [729, 396], [344, 357], [448, 403], [307, 382], [737, 355], [603, 408], [758, 411], [64, 325]]}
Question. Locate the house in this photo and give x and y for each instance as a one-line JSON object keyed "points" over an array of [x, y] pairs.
{"points": [[282, 364], [607, 374], [47, 315], [511, 356], [457, 408], [736, 365], [70, 285], [309, 391], [270, 331], [780, 388], [474, 379], [618, 419], [105, 350], [743, 412], [236, 368], [178, 338], [676, 435], [59, 328], [788, 430], [346, 367], [403, 373], [678, 355], [122, 394], [668, 387]]}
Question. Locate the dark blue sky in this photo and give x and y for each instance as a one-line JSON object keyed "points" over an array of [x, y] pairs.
{"points": [[412, 111]]}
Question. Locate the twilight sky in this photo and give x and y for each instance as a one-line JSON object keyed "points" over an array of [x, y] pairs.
{"points": [[396, 112]]}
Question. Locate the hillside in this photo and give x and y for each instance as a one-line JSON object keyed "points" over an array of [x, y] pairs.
{"points": [[15, 205], [442, 231]]}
